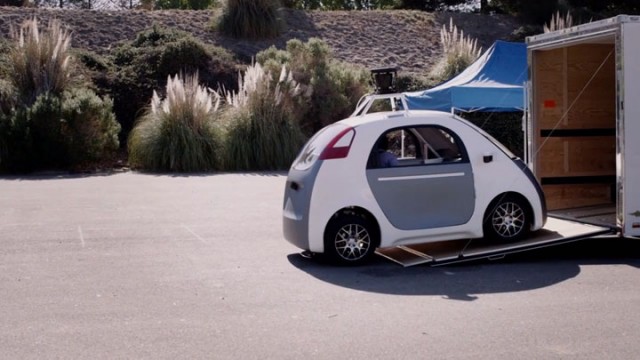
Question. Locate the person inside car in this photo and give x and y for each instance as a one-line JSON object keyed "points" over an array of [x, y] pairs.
{"points": [[385, 157]]}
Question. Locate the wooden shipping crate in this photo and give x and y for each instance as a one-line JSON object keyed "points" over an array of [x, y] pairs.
{"points": [[575, 135], [575, 88], [568, 196], [577, 156]]}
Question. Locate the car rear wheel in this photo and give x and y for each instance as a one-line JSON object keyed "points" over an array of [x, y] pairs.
{"points": [[507, 219], [350, 239]]}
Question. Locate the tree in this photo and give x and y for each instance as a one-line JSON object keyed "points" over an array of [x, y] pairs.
{"points": [[339, 4], [606, 8], [11, 2], [536, 12], [428, 5], [539, 12], [484, 6], [184, 4]]}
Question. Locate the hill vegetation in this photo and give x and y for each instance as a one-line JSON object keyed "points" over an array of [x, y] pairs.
{"points": [[122, 58]]}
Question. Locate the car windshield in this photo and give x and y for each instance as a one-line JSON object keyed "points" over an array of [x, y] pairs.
{"points": [[311, 151]]}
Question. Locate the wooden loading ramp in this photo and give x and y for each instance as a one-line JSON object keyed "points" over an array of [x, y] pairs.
{"points": [[556, 231]]}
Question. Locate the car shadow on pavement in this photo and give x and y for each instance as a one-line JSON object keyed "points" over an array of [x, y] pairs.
{"points": [[465, 281]]}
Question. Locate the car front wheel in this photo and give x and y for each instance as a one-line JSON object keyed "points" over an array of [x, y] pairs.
{"points": [[350, 239], [507, 220]]}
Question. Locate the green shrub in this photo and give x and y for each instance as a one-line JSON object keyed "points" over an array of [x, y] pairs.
{"points": [[521, 33], [262, 133], [92, 61], [144, 64], [43, 122], [60, 132], [4, 132], [251, 19], [412, 82], [5, 65], [7, 100], [96, 71], [47, 120], [180, 132], [505, 127], [40, 63], [334, 87], [7, 97], [89, 127]]}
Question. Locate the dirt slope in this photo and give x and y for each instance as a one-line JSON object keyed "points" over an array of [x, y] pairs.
{"points": [[409, 39]]}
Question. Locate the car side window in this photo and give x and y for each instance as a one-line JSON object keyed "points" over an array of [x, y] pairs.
{"points": [[442, 144], [416, 146]]}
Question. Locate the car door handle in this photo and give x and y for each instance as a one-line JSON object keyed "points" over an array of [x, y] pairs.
{"points": [[487, 158]]}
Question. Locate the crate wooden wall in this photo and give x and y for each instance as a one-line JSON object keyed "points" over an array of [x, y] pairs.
{"points": [[575, 121]]}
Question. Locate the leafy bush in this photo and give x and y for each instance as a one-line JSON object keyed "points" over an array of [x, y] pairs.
{"points": [[91, 60], [409, 82], [505, 127], [43, 124], [459, 52], [7, 97], [64, 131], [46, 120], [180, 132], [521, 33], [251, 19], [333, 87], [4, 132], [89, 126], [262, 132], [5, 65], [145, 64], [7, 93]]}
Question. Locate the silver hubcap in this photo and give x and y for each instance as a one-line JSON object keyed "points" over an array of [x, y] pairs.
{"points": [[352, 242], [508, 219]]}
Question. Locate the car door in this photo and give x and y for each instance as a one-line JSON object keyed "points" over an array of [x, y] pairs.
{"points": [[432, 184]]}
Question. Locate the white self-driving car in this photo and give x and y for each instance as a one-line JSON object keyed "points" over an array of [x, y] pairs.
{"points": [[446, 179]]}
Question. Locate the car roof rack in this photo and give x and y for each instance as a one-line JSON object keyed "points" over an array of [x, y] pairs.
{"points": [[397, 101], [384, 81]]}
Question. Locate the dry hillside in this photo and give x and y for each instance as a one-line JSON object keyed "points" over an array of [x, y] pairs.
{"points": [[409, 39]]}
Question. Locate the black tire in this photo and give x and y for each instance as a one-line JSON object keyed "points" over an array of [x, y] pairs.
{"points": [[507, 219], [350, 239]]}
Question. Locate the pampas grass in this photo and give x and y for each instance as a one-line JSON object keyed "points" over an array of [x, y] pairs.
{"points": [[459, 52], [40, 60], [558, 22], [262, 133], [179, 132]]}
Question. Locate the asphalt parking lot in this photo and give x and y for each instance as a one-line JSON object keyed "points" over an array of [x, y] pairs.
{"points": [[157, 266]]}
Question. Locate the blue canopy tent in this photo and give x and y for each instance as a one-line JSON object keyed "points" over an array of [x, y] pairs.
{"points": [[494, 82]]}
